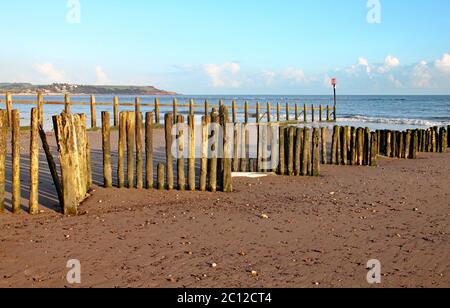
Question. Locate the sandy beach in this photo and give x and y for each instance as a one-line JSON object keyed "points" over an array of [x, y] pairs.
{"points": [[291, 231]]}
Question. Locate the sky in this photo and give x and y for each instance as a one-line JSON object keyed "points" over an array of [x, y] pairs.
{"points": [[231, 46]]}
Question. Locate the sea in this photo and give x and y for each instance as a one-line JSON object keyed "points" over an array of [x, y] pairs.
{"points": [[375, 112]]}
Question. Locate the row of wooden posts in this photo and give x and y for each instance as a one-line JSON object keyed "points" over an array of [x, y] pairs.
{"points": [[291, 112]]}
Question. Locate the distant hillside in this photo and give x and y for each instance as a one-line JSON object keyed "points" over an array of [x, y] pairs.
{"points": [[62, 88]]}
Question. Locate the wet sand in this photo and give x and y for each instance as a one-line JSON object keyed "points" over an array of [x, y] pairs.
{"points": [[292, 231]]}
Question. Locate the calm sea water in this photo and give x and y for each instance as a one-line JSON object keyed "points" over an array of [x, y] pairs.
{"points": [[390, 112]]}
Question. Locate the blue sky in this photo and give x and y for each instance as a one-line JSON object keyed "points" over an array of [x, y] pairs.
{"points": [[231, 46]]}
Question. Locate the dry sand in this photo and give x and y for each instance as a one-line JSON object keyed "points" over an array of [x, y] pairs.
{"points": [[293, 231]]}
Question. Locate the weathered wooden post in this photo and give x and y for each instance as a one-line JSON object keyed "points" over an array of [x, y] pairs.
{"points": [[313, 114], [401, 142], [305, 113], [353, 151], [191, 107], [161, 176], [15, 145], [175, 110], [121, 149], [169, 157], [131, 131], [246, 117], [181, 178], [252, 164], [137, 107], [40, 107], [233, 111], [67, 103], [213, 148], [206, 107], [258, 112], [408, 145], [298, 151], [323, 136], [227, 145], [335, 113], [296, 112], [269, 113], [388, 143], [321, 113], [306, 155], [4, 123], [334, 145], [414, 141], [328, 113], [243, 147], [191, 159], [139, 152], [236, 161], [116, 111], [373, 149], [394, 144], [157, 112], [288, 112], [204, 160], [282, 164], [149, 150], [345, 142], [360, 146], [106, 146], [366, 146], [290, 139], [278, 112], [93, 112], [316, 153], [34, 163], [9, 108]]}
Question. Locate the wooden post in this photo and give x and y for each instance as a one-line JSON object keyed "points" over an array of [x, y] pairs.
{"points": [[34, 163], [131, 131], [258, 112], [206, 108], [287, 112], [204, 163], [214, 148], [298, 151], [191, 160], [344, 146], [66, 103], [93, 113], [175, 110], [306, 155], [324, 145], [313, 114], [402, 144], [366, 146], [335, 113], [169, 157], [448, 135], [116, 111], [4, 123], [227, 145], [373, 150], [181, 178], [296, 112], [278, 112], [9, 108], [137, 106], [388, 143], [233, 110], [282, 164], [334, 145], [139, 152], [149, 150], [393, 144], [121, 150], [243, 146], [269, 113], [40, 107], [246, 112], [408, 145], [106, 145], [236, 147], [316, 153], [414, 141], [378, 141], [305, 113], [15, 145], [321, 113], [328, 113], [290, 139], [157, 119], [353, 150], [360, 146], [251, 163], [191, 107], [161, 176]]}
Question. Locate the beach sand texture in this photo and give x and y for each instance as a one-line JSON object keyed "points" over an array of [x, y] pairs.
{"points": [[293, 231]]}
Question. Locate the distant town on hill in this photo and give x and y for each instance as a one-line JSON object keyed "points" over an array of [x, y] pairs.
{"points": [[63, 88]]}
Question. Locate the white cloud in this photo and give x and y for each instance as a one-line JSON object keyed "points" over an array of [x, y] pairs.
{"points": [[397, 83], [363, 61], [443, 64], [102, 78], [223, 75], [421, 75], [391, 61], [269, 77], [294, 75], [49, 72]]}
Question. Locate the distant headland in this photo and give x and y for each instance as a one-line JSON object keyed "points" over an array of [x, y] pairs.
{"points": [[75, 89]]}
